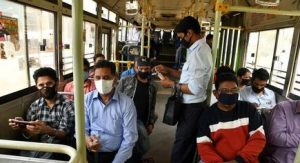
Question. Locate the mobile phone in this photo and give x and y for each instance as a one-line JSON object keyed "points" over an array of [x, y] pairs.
{"points": [[22, 122], [160, 76]]}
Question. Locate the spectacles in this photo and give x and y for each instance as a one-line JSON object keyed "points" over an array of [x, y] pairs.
{"points": [[229, 91]]}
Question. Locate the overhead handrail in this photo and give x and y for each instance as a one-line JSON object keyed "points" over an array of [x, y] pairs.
{"points": [[43, 147]]}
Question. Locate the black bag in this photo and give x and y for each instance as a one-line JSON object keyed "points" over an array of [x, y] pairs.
{"points": [[173, 109]]}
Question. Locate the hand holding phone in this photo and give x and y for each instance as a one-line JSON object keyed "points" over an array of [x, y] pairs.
{"points": [[161, 77]]}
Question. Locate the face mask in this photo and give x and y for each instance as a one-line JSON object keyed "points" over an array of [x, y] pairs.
{"points": [[228, 99], [85, 75], [48, 92], [143, 75], [257, 90], [245, 82], [104, 87]]}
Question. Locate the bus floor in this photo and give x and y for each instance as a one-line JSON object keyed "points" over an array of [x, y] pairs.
{"points": [[162, 137]]}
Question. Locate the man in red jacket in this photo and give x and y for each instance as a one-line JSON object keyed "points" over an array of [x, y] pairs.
{"points": [[231, 130]]}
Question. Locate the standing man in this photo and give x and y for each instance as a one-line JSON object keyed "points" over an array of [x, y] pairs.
{"points": [[110, 119], [194, 79]]}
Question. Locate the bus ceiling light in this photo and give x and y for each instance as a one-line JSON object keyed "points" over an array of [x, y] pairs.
{"points": [[132, 7], [267, 2]]}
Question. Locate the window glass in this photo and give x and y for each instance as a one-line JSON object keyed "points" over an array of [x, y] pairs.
{"points": [[40, 33], [265, 49], [89, 44], [66, 41], [88, 5], [13, 65], [251, 50], [104, 13], [104, 44], [124, 23], [296, 80], [282, 56], [112, 17]]}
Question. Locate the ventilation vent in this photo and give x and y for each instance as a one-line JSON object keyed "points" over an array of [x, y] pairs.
{"points": [[168, 15]]}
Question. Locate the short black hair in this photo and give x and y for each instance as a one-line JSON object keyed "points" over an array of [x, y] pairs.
{"points": [[209, 37], [106, 64], [261, 74], [86, 62], [242, 71], [98, 55], [188, 23], [45, 71], [224, 69], [225, 77]]}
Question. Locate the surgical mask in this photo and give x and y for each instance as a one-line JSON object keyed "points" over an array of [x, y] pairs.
{"points": [[144, 75], [104, 87], [48, 92], [228, 99], [85, 75], [245, 82], [257, 90]]}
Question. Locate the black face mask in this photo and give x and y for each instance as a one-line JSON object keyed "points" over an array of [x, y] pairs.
{"points": [[257, 90], [246, 82], [48, 92], [143, 75], [228, 99]]}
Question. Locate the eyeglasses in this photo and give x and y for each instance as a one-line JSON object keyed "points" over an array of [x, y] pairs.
{"points": [[229, 91]]}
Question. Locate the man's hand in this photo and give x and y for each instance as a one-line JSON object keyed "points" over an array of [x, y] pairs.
{"points": [[13, 124], [167, 83], [38, 127], [161, 69], [149, 129], [92, 143]]}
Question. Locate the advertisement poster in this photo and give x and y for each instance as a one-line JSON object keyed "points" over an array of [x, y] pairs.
{"points": [[9, 30]]}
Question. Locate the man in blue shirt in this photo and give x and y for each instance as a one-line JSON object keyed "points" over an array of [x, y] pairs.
{"points": [[110, 119], [132, 70]]}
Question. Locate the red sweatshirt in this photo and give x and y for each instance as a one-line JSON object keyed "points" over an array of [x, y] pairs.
{"points": [[231, 135]]}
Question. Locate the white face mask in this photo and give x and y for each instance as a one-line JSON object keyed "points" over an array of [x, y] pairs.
{"points": [[104, 86]]}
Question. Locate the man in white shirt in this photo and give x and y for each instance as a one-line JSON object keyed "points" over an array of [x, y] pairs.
{"points": [[194, 79], [257, 94]]}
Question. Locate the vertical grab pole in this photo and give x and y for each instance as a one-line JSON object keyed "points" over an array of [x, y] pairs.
{"points": [[142, 35], [77, 17], [149, 36], [218, 15]]}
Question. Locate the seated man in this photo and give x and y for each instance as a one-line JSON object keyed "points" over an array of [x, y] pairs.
{"points": [[244, 77], [97, 57], [231, 130], [284, 132], [257, 94], [88, 85], [110, 119], [143, 92], [51, 117]]}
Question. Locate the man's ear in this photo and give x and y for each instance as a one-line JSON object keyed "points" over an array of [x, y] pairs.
{"points": [[215, 92]]}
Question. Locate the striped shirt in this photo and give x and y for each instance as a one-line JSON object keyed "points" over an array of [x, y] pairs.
{"points": [[231, 135]]}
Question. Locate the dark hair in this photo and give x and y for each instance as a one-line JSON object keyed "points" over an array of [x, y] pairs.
{"points": [[45, 71], [86, 62], [106, 64], [260, 74], [225, 77], [242, 71], [188, 23], [98, 55], [223, 69], [209, 37]]}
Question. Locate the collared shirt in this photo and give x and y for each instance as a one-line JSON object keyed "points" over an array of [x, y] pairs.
{"points": [[115, 123], [127, 73], [61, 116], [284, 131], [196, 72], [266, 100], [88, 86]]}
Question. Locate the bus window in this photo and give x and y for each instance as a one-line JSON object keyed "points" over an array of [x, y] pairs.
{"points": [[296, 80], [251, 50], [40, 32], [282, 56], [265, 49], [89, 44], [67, 41], [13, 68]]}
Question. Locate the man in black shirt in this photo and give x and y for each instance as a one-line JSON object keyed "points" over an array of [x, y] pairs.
{"points": [[143, 92]]}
